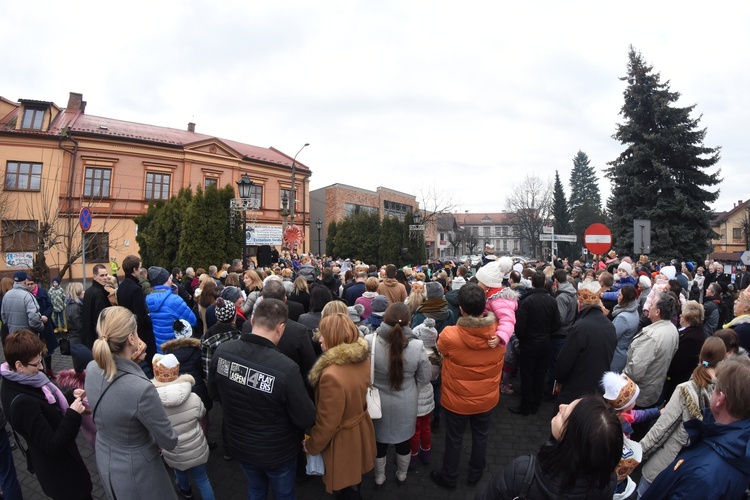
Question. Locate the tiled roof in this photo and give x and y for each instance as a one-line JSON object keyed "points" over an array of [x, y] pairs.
{"points": [[484, 218], [108, 127], [723, 216]]}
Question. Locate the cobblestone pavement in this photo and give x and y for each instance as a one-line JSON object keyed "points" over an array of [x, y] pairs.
{"points": [[510, 436]]}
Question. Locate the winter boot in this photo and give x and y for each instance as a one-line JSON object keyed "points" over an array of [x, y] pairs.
{"points": [[379, 471], [413, 462], [402, 467], [425, 455]]}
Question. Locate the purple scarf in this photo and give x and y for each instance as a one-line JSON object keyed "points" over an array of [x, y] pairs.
{"points": [[40, 380]]}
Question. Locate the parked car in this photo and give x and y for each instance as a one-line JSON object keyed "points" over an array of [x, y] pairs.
{"points": [[475, 260]]}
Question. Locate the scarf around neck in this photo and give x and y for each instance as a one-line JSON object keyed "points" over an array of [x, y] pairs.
{"points": [[51, 392]]}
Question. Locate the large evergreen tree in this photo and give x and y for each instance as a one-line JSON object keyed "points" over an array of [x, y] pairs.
{"points": [[585, 201], [662, 173], [331, 238], [561, 217]]}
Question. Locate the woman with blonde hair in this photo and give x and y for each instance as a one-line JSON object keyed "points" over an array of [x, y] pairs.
{"points": [[667, 437], [301, 293], [333, 307], [74, 310], [416, 298], [132, 425], [343, 431]]}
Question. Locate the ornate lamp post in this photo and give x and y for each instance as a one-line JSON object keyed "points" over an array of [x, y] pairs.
{"points": [[319, 225], [284, 210], [293, 201], [244, 190]]}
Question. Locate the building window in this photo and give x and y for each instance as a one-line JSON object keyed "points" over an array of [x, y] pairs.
{"points": [[398, 210], [210, 182], [354, 209], [32, 118], [737, 233], [474, 230], [288, 193], [485, 231], [505, 230], [505, 245], [256, 194], [97, 247], [96, 183], [23, 176], [157, 186], [497, 230], [20, 235]]}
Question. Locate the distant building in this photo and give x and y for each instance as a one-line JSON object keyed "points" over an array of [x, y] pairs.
{"points": [[730, 227], [334, 202], [57, 160]]}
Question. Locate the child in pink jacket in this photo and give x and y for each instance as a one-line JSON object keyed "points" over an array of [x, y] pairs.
{"points": [[502, 301]]}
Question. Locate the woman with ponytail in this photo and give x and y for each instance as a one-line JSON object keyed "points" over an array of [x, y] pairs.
{"points": [[400, 363], [131, 422], [667, 437]]}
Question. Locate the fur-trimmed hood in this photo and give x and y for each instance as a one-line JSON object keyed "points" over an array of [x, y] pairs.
{"points": [[477, 321], [342, 354], [504, 293], [173, 345]]}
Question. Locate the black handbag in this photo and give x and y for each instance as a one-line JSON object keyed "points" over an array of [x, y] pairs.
{"points": [[65, 345]]}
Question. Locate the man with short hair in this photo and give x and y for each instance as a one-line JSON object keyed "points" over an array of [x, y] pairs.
{"points": [[265, 402], [356, 290], [130, 296], [95, 300], [471, 385], [537, 318], [567, 305], [390, 287], [651, 352], [20, 309], [716, 462], [460, 279]]}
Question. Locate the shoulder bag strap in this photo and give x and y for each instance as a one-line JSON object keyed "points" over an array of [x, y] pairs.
{"points": [[372, 358], [93, 413], [528, 478]]}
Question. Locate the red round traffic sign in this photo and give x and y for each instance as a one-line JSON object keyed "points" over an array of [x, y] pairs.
{"points": [[598, 238]]}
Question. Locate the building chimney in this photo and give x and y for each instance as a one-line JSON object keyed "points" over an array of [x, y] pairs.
{"points": [[76, 102], [191, 127]]}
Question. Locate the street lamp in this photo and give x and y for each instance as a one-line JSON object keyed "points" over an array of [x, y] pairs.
{"points": [[417, 218], [244, 190], [284, 210], [293, 201], [319, 225]]}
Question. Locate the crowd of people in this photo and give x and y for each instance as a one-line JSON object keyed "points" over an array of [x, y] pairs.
{"points": [[646, 360]]}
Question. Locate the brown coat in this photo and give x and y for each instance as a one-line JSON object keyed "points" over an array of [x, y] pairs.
{"points": [[343, 431], [395, 291]]}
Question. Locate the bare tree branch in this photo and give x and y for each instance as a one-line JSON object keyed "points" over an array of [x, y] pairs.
{"points": [[433, 203], [530, 206]]}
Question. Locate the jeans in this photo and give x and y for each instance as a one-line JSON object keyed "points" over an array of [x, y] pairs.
{"points": [[643, 486], [455, 425], [200, 478], [436, 391], [281, 479], [554, 350], [8, 478]]}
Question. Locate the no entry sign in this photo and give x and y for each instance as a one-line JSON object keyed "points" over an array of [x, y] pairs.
{"points": [[597, 238]]}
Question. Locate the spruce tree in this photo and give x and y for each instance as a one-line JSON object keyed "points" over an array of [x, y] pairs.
{"points": [[561, 217], [330, 239], [662, 173], [585, 201]]}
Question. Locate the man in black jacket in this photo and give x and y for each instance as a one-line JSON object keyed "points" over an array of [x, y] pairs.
{"points": [[265, 402], [95, 300], [589, 348], [537, 319], [130, 296]]}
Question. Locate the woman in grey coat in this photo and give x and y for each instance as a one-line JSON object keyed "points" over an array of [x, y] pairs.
{"points": [[131, 422], [626, 319], [400, 364]]}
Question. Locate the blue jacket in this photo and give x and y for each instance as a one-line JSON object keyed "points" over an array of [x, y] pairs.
{"points": [[165, 307], [615, 290], [716, 464]]}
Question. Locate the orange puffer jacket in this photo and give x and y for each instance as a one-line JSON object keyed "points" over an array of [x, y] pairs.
{"points": [[471, 368]]}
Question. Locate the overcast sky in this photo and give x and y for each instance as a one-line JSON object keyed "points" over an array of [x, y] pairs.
{"points": [[465, 97]]}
